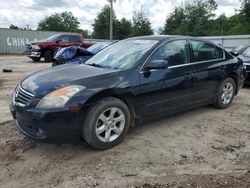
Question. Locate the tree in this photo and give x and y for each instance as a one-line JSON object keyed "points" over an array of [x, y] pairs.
{"points": [[101, 24], [220, 26], [245, 9], [64, 21], [141, 24], [193, 19], [123, 29], [176, 23], [13, 27], [101, 27], [85, 33]]}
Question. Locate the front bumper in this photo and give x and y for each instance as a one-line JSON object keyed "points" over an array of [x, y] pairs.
{"points": [[48, 125], [247, 80], [33, 54], [247, 73]]}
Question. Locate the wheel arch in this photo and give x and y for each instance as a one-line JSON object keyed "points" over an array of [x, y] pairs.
{"points": [[119, 94], [234, 77], [46, 49]]}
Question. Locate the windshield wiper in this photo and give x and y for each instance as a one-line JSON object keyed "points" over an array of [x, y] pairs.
{"points": [[94, 65]]}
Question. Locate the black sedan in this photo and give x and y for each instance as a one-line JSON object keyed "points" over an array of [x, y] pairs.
{"points": [[245, 57], [131, 81]]}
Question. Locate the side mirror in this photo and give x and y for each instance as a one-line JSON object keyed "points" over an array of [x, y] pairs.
{"points": [[156, 64], [58, 41]]}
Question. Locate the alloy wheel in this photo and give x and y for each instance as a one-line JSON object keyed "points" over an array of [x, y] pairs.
{"points": [[110, 124], [227, 93]]}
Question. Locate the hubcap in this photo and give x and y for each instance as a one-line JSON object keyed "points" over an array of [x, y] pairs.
{"points": [[227, 93], [110, 124]]}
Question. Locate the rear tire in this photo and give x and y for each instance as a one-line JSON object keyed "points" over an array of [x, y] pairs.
{"points": [[48, 56], [106, 123], [36, 59], [225, 93]]}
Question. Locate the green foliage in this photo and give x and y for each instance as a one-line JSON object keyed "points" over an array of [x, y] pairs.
{"points": [[176, 22], [245, 9], [121, 28], [18, 28], [13, 27], [141, 24], [101, 24], [85, 33], [197, 19], [101, 27], [64, 21], [193, 19]]}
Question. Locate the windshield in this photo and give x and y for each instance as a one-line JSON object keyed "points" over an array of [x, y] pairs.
{"points": [[247, 52], [52, 38], [122, 55], [98, 47]]}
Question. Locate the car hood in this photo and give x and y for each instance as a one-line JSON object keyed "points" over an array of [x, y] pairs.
{"points": [[48, 80], [40, 42]]}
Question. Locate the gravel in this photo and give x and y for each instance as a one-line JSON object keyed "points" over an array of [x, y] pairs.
{"points": [[206, 147]]}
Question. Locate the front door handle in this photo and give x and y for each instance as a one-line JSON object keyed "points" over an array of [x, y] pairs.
{"points": [[222, 67], [189, 75]]}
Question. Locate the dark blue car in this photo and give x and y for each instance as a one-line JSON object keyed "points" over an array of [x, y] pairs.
{"points": [[129, 82]]}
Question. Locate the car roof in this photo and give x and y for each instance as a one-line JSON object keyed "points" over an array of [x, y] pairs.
{"points": [[167, 37], [155, 37], [74, 34]]}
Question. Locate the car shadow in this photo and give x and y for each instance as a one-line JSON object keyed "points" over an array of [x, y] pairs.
{"points": [[142, 128]]}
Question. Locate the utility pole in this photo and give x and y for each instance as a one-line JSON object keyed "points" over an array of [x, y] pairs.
{"points": [[111, 20]]}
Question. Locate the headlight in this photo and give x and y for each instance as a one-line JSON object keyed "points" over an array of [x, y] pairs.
{"points": [[36, 47], [58, 98]]}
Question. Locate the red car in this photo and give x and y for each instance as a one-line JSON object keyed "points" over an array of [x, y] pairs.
{"points": [[46, 49]]}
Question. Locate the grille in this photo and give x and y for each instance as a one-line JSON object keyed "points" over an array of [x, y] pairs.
{"points": [[28, 47], [22, 96]]}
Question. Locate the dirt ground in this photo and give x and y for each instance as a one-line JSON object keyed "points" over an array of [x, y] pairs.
{"points": [[205, 147]]}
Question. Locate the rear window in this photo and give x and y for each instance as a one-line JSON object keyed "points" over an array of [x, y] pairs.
{"points": [[75, 38], [204, 51]]}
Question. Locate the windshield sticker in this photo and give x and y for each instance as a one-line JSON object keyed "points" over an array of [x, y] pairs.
{"points": [[141, 41]]}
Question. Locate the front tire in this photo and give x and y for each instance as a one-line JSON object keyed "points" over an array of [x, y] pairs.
{"points": [[36, 59], [106, 123], [225, 93], [48, 56]]}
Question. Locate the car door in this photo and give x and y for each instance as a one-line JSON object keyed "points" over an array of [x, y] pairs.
{"points": [[208, 60], [167, 90], [75, 40], [64, 41]]}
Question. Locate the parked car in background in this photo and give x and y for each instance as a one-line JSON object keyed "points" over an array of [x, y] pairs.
{"points": [[239, 50], [45, 49], [76, 54], [132, 80], [245, 57]]}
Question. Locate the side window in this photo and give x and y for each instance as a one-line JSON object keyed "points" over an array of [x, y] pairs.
{"points": [[64, 38], [176, 53], [203, 51], [75, 38]]}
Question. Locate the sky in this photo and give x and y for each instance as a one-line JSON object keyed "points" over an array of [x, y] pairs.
{"points": [[29, 12]]}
